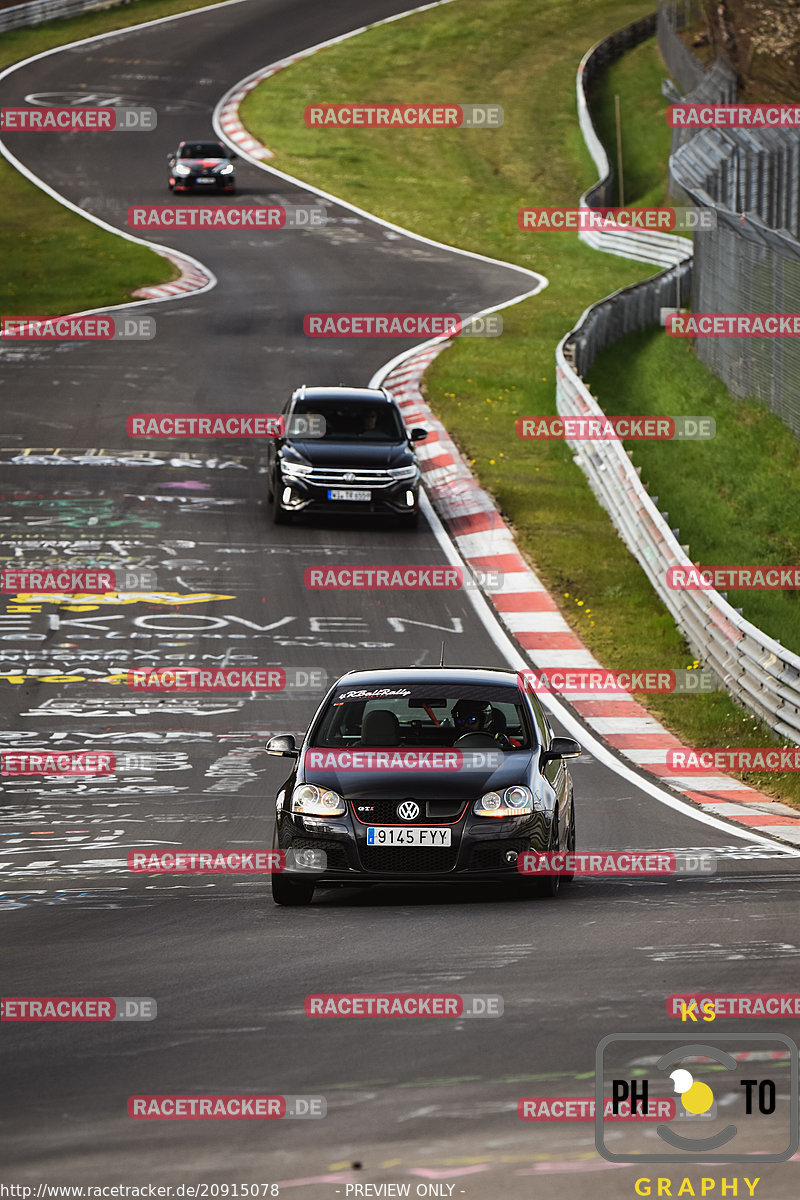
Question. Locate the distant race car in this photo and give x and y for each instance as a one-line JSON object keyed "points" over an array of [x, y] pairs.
{"points": [[202, 164], [363, 803]]}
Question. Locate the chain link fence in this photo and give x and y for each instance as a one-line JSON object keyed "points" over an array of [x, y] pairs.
{"points": [[751, 262]]}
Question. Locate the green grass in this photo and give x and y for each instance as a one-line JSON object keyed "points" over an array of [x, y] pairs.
{"points": [[727, 515], [645, 135], [464, 188], [54, 261]]}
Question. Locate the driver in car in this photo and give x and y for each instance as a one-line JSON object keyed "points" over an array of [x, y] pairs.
{"points": [[475, 716], [471, 716]]}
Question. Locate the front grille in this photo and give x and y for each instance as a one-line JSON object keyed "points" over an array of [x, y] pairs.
{"points": [[333, 477], [335, 851], [410, 860], [384, 812], [490, 856]]}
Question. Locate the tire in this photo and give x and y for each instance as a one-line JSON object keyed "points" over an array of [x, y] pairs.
{"points": [[279, 516], [411, 521], [289, 894], [570, 846], [549, 886]]}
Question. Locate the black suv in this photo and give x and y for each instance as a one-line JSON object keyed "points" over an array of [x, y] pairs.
{"points": [[346, 450], [206, 165], [442, 775]]}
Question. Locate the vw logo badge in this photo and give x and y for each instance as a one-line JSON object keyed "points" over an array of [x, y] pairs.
{"points": [[408, 810], [349, 476]]}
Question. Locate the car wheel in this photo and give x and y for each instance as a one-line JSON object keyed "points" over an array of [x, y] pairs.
{"points": [[410, 520], [550, 885], [570, 846], [279, 515], [289, 894]]}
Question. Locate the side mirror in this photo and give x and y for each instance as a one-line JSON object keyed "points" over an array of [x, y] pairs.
{"points": [[283, 746], [418, 435], [233, 157], [560, 747]]}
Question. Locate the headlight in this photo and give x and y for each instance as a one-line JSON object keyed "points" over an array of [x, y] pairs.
{"points": [[226, 170], [511, 802], [404, 472], [182, 169], [290, 468], [319, 802]]}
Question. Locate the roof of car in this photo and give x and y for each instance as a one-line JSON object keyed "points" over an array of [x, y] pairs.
{"points": [[435, 675], [373, 395]]}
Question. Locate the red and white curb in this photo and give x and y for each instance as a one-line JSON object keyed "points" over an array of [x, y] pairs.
{"points": [[194, 277], [533, 619]]}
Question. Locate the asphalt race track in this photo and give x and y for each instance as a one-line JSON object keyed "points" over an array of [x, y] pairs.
{"points": [[408, 1101]]}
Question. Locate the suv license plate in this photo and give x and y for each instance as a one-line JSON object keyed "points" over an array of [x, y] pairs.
{"points": [[348, 494]]}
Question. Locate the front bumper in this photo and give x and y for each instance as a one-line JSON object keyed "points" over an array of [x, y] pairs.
{"points": [[187, 183], [400, 497], [477, 853]]}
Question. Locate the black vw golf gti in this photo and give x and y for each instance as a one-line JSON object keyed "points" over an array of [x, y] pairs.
{"points": [[421, 776]]}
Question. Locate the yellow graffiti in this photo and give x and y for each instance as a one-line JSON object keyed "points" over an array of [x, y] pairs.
{"points": [[85, 601]]}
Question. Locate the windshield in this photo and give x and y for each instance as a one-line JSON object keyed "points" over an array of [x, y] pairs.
{"points": [[354, 420], [422, 715], [203, 150]]}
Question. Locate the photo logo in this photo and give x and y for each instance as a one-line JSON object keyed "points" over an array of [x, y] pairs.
{"points": [[400, 579], [709, 1008], [78, 1008], [680, 324], [394, 759], [739, 1081], [61, 762], [621, 219], [722, 759], [242, 1107], [352, 325], [195, 679], [737, 579], [207, 862], [733, 116], [399, 1004], [223, 216], [403, 116], [614, 862], [581, 1108], [224, 425], [579, 680], [103, 328], [68, 120], [613, 428]]}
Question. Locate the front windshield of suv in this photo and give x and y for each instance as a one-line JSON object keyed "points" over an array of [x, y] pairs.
{"points": [[423, 715], [354, 420]]}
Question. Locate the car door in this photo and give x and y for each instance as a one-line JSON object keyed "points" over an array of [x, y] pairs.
{"points": [[554, 771]]}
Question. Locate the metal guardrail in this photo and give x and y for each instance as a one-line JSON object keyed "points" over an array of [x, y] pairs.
{"points": [[36, 12], [755, 669], [663, 249]]}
